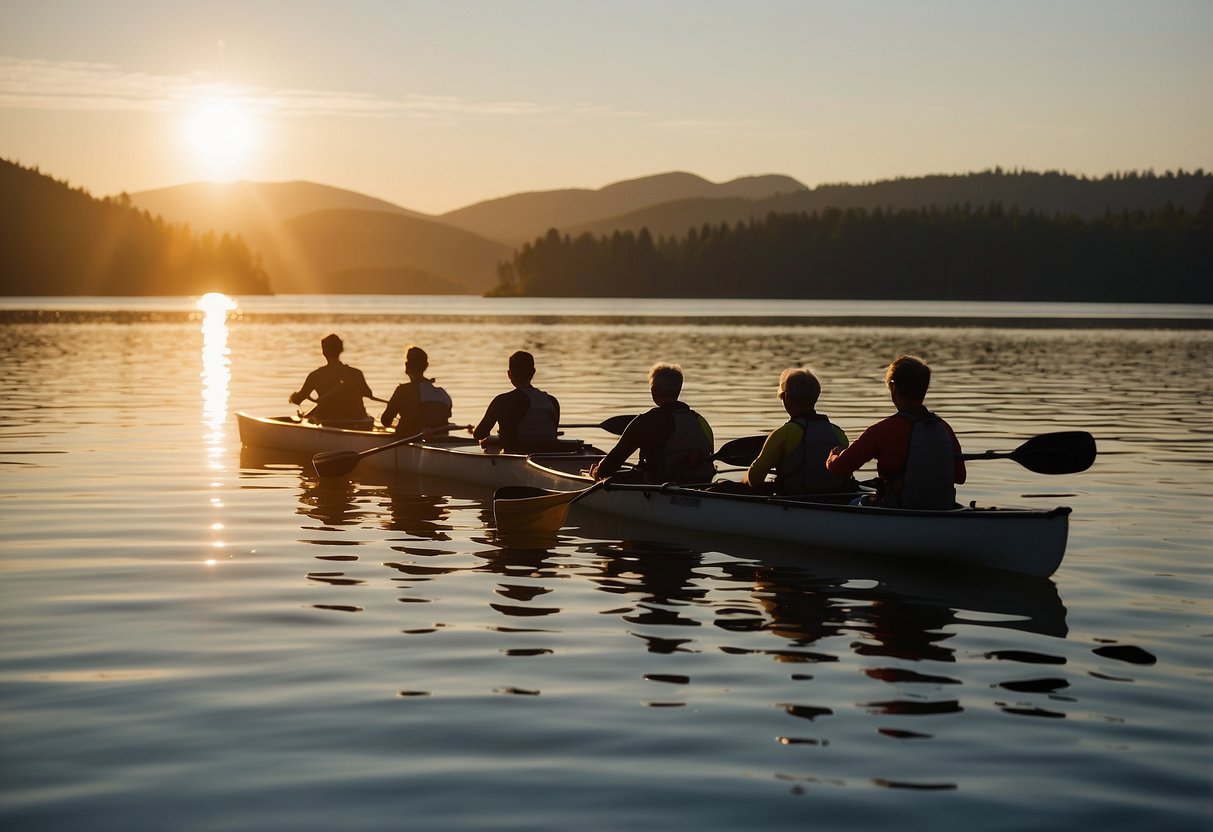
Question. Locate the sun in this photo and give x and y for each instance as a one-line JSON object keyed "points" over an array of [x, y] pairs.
{"points": [[222, 133]]}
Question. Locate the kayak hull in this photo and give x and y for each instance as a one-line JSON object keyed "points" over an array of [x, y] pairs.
{"points": [[448, 458], [1025, 541]]}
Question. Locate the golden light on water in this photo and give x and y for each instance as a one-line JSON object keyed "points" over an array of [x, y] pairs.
{"points": [[216, 372], [216, 375]]}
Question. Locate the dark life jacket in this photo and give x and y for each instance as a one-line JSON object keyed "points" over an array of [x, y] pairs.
{"points": [[928, 480], [687, 453], [804, 470], [435, 404], [538, 424]]}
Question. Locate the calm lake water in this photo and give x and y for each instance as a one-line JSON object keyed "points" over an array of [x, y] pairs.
{"points": [[200, 637]]}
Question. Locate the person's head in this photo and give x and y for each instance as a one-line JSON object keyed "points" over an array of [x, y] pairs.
{"points": [[908, 377], [522, 368], [415, 361], [665, 382], [799, 389], [331, 346]]}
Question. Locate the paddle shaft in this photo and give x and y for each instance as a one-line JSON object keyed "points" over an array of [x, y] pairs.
{"points": [[339, 463], [615, 424]]}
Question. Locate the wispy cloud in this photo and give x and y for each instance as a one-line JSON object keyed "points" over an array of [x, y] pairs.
{"points": [[51, 85]]}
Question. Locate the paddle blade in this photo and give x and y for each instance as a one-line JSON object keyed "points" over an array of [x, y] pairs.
{"points": [[519, 492], [1066, 452], [741, 451], [335, 463], [543, 514], [617, 424]]}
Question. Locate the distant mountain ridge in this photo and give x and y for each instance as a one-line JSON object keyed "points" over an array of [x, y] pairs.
{"points": [[313, 238], [320, 239], [521, 217], [1047, 193], [327, 247], [226, 206]]}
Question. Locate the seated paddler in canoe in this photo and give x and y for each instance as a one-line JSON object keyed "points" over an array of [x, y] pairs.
{"points": [[339, 390], [675, 443], [796, 451], [418, 405], [526, 417], [918, 458]]}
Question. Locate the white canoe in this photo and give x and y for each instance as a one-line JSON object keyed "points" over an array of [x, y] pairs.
{"points": [[450, 458], [1023, 540]]}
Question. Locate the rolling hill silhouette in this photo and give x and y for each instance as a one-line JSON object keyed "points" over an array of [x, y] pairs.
{"points": [[226, 206], [317, 239], [320, 239], [522, 217], [320, 251], [1047, 193]]}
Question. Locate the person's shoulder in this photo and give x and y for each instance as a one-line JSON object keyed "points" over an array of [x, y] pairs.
{"points": [[896, 423], [787, 431]]}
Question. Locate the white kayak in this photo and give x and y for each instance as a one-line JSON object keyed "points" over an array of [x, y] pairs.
{"points": [[1023, 540], [448, 457]]}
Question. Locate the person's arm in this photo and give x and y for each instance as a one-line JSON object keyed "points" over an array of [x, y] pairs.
{"points": [[960, 473], [392, 410], [840, 436], [491, 416], [309, 387], [628, 444], [774, 449], [845, 460], [362, 387]]}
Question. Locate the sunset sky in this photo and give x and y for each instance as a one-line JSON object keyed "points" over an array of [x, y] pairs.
{"points": [[436, 105]]}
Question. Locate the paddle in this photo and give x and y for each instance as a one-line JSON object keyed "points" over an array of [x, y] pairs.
{"points": [[1065, 452], [615, 424], [741, 451], [340, 463], [522, 509]]}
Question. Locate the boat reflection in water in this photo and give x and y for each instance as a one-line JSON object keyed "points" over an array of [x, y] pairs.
{"points": [[664, 583]]}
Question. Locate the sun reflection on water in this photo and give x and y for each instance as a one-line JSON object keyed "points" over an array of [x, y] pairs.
{"points": [[216, 372], [216, 375]]}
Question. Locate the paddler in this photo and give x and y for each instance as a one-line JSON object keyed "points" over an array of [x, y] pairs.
{"points": [[339, 390], [526, 417], [918, 458], [675, 442], [418, 402], [797, 450]]}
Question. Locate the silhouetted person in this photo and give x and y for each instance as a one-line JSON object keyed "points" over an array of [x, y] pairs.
{"points": [[418, 402], [918, 461], [526, 418], [797, 450], [675, 442], [339, 390]]}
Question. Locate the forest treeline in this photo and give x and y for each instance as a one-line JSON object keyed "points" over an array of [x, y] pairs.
{"points": [[988, 252], [59, 240]]}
